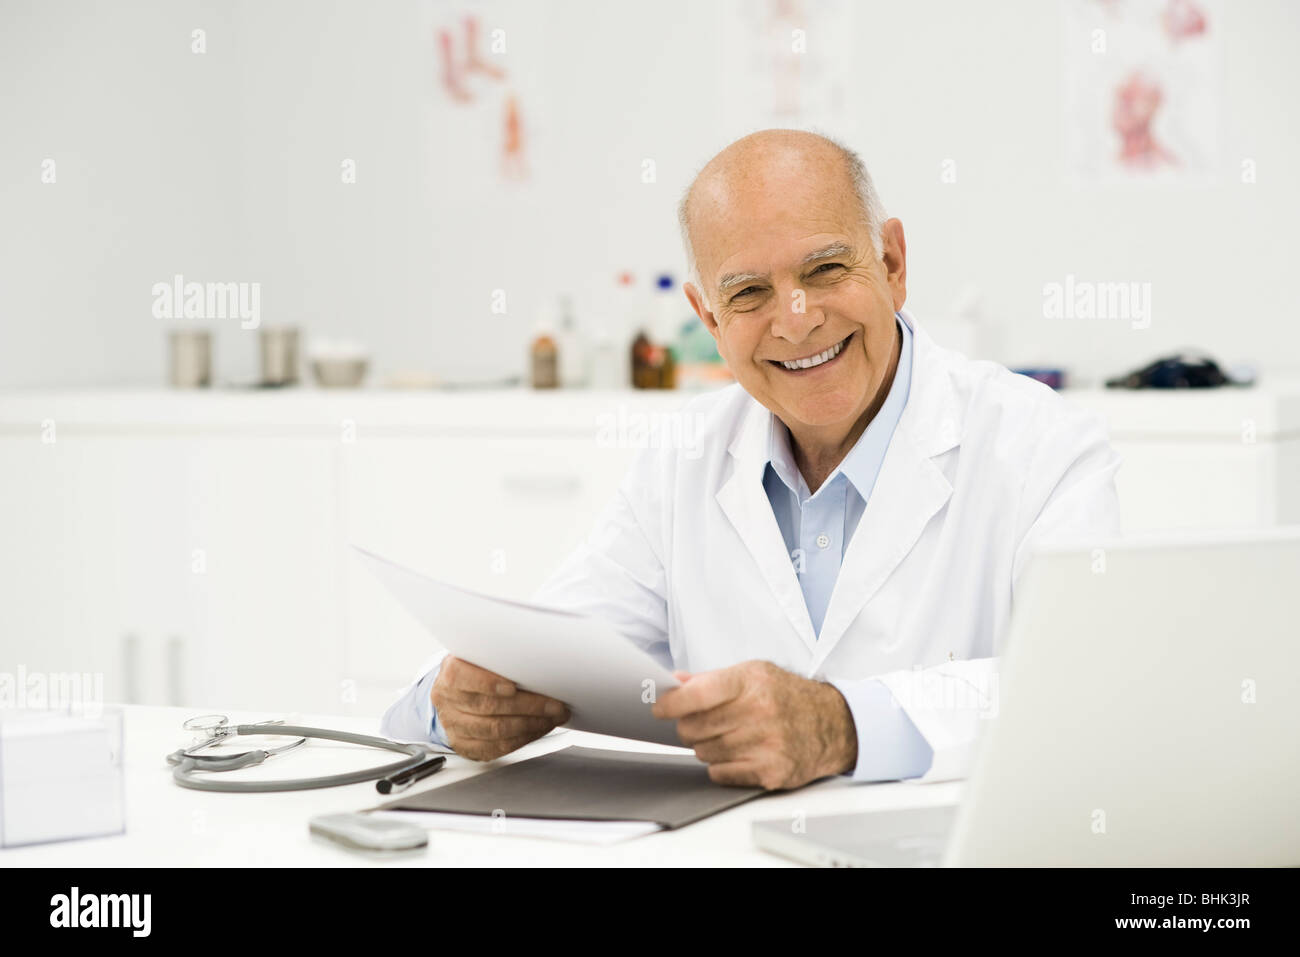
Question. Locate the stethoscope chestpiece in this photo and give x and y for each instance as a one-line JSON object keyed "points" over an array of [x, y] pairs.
{"points": [[207, 728], [210, 730]]}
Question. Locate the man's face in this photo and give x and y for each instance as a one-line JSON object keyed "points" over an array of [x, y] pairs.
{"points": [[800, 306]]}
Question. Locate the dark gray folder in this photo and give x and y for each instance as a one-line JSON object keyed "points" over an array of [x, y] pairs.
{"points": [[588, 784]]}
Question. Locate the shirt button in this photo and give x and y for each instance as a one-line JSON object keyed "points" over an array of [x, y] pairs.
{"points": [[823, 541]]}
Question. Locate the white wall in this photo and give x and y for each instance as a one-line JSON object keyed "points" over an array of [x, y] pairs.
{"points": [[138, 129], [225, 166]]}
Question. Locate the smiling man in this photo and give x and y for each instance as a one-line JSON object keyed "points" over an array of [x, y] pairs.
{"points": [[830, 567]]}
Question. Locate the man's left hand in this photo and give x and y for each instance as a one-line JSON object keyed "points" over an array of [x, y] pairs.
{"points": [[758, 725]]}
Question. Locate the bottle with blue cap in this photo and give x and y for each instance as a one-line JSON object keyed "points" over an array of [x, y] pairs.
{"points": [[667, 322]]}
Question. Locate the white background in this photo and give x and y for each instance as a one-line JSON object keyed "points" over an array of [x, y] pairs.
{"points": [[225, 167]]}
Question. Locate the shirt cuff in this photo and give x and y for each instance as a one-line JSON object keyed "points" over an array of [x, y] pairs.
{"points": [[426, 712], [439, 735], [890, 748]]}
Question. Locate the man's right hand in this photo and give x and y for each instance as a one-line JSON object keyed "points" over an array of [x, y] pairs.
{"points": [[485, 715]]}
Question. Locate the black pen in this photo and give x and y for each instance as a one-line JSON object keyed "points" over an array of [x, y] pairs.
{"points": [[404, 779]]}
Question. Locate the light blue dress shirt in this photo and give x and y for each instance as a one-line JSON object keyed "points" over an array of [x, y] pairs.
{"points": [[817, 529]]}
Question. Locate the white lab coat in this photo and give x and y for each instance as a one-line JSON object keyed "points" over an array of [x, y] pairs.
{"points": [[688, 560]]}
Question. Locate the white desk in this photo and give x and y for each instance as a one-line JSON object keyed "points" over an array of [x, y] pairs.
{"points": [[171, 826]]}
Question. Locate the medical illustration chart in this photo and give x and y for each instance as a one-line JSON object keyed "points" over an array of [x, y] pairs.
{"points": [[788, 62], [482, 57], [1143, 87]]}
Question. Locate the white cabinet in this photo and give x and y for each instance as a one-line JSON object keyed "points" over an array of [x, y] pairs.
{"points": [[264, 616], [179, 570], [1204, 459], [491, 513], [193, 548], [92, 559]]}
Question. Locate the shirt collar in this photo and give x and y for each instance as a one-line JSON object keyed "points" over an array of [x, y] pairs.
{"points": [[861, 466]]}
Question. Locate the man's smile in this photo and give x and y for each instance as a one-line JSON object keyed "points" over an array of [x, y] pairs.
{"points": [[816, 361]]}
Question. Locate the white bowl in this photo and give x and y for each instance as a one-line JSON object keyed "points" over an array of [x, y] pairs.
{"points": [[333, 373]]}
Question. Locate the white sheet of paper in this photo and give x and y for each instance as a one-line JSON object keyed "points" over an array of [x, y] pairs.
{"points": [[578, 832], [606, 681]]}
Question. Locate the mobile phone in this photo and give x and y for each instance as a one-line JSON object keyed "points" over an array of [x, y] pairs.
{"points": [[362, 832]]}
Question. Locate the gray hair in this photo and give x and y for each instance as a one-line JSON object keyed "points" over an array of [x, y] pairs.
{"points": [[873, 211]]}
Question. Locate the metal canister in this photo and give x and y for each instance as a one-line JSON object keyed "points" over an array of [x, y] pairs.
{"points": [[279, 356], [190, 358]]}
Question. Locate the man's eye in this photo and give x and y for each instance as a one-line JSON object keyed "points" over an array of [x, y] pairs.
{"points": [[748, 290], [824, 266]]}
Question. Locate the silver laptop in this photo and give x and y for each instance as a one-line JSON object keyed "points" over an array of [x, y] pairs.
{"points": [[1148, 715]]}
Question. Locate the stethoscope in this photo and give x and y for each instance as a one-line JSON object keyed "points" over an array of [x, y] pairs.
{"points": [[213, 729]]}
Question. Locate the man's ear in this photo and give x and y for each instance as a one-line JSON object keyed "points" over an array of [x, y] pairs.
{"points": [[696, 299], [895, 259]]}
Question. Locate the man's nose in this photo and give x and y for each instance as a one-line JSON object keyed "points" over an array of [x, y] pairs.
{"points": [[795, 317]]}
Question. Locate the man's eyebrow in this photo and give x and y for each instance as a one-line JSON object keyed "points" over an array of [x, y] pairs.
{"points": [[827, 252], [733, 279]]}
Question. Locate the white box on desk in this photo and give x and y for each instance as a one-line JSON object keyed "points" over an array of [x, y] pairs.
{"points": [[60, 776]]}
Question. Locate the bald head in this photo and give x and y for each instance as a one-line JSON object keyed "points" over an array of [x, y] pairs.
{"points": [[768, 162]]}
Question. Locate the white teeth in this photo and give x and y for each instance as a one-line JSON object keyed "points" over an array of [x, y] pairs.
{"points": [[816, 360]]}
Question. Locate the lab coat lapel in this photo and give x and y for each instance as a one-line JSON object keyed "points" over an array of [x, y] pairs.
{"points": [[909, 491], [745, 503]]}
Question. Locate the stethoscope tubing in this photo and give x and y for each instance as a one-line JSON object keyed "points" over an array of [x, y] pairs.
{"points": [[187, 765]]}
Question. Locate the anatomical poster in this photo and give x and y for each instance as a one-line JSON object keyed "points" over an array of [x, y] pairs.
{"points": [[788, 62], [1143, 87]]}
